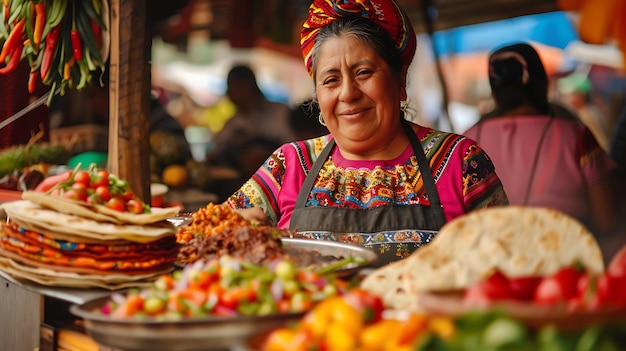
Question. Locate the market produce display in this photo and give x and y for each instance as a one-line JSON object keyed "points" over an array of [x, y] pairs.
{"points": [[226, 287], [64, 41], [518, 241], [50, 242], [96, 194]]}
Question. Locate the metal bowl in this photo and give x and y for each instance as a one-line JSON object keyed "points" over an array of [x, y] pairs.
{"points": [[188, 334], [334, 249]]}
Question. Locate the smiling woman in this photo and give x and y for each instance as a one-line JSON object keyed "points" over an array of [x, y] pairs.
{"points": [[376, 179]]}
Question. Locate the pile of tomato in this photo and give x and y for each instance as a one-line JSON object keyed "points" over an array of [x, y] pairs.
{"points": [[94, 186], [226, 287], [570, 285]]}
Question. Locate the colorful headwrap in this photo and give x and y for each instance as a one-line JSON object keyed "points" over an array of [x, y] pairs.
{"points": [[386, 13]]}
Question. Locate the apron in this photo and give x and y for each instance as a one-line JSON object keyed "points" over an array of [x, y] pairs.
{"points": [[392, 231]]}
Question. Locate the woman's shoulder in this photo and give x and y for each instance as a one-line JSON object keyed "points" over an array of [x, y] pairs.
{"points": [[434, 137]]}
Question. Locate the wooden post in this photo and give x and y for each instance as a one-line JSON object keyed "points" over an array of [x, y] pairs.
{"points": [[129, 95]]}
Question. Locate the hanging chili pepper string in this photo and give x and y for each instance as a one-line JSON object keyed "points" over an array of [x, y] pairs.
{"points": [[77, 46], [62, 46], [40, 20], [14, 59], [14, 38]]}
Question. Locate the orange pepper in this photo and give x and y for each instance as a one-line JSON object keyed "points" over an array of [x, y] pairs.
{"points": [[412, 328], [40, 21]]}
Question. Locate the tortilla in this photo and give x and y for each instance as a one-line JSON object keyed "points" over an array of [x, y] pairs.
{"points": [[516, 240], [50, 277], [99, 212], [38, 243], [27, 212]]}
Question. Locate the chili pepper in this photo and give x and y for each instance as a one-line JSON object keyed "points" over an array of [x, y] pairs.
{"points": [[67, 69], [14, 59], [77, 45], [32, 81], [97, 32], [48, 54], [13, 40], [40, 21], [49, 182]]}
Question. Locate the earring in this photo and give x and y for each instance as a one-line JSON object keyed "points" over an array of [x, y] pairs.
{"points": [[404, 105], [321, 119]]}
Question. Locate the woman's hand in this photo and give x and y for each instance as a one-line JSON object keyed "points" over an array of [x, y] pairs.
{"points": [[255, 214]]}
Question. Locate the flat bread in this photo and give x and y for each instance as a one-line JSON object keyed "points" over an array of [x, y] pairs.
{"points": [[517, 240], [51, 277], [99, 212], [44, 262], [24, 212], [32, 242]]}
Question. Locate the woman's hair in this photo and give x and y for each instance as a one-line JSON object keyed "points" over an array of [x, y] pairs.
{"points": [[517, 77], [365, 31]]}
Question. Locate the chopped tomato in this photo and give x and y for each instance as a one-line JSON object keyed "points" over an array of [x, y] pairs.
{"points": [[523, 288], [558, 287], [617, 264], [495, 287], [371, 306]]}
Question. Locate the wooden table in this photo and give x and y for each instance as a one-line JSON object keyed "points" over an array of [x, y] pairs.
{"points": [[22, 312]]}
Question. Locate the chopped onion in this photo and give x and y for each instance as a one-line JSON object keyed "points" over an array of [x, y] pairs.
{"points": [[276, 289], [118, 298]]}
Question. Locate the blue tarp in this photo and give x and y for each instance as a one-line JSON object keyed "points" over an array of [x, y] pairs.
{"points": [[552, 28]]}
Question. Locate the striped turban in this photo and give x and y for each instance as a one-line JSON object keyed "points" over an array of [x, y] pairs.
{"points": [[385, 13]]}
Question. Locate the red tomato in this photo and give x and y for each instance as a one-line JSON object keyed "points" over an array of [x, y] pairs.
{"points": [[134, 206], [94, 199], [51, 181], [523, 288], [560, 286], [617, 264], [115, 203], [82, 177], [495, 287], [371, 306], [103, 193], [610, 290], [128, 195], [100, 179], [76, 195], [232, 296]]}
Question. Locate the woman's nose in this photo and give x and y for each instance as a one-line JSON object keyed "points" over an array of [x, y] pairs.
{"points": [[349, 91]]}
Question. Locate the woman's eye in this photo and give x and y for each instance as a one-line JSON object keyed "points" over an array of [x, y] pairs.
{"points": [[329, 81]]}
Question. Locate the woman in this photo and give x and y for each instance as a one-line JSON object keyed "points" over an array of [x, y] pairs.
{"points": [[542, 159], [377, 179]]}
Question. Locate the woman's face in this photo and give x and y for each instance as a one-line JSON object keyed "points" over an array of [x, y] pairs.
{"points": [[358, 95]]}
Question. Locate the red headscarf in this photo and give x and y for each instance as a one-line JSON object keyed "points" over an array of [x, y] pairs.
{"points": [[386, 13]]}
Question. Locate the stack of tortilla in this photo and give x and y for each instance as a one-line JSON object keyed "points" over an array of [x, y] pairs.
{"points": [[60, 242], [519, 241]]}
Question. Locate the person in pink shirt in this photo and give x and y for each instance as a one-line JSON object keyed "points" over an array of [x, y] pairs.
{"points": [[542, 159], [376, 179]]}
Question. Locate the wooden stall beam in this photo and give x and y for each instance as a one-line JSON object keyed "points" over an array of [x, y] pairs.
{"points": [[129, 95]]}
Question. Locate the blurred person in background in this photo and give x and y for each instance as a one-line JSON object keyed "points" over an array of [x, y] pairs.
{"points": [[304, 121], [542, 159], [258, 127]]}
